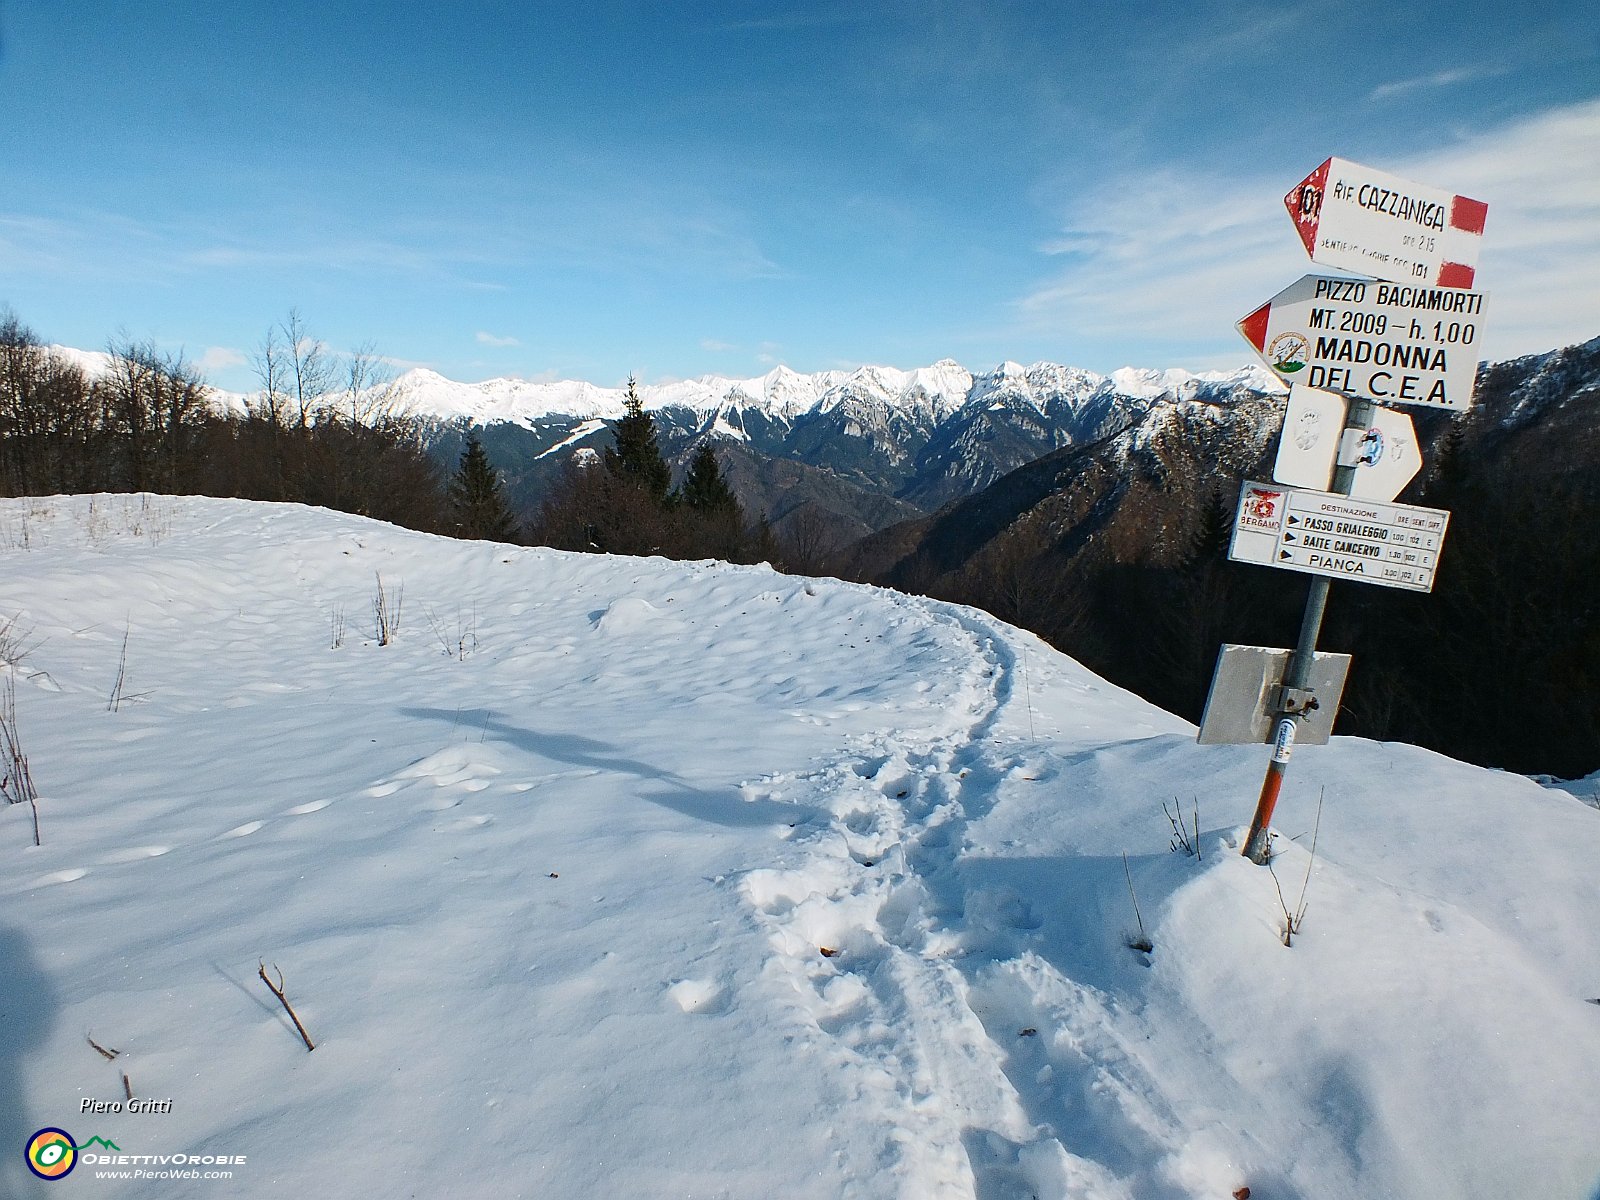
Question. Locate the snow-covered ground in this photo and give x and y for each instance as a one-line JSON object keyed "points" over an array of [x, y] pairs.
{"points": [[628, 878]]}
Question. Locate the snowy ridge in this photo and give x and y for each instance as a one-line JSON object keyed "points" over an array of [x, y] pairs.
{"points": [[93, 363], [1555, 379], [97, 364], [634, 878], [933, 394]]}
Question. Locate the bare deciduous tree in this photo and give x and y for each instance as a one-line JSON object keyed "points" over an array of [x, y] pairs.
{"points": [[309, 370]]}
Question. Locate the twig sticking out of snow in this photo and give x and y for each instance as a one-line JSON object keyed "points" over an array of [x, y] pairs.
{"points": [[1142, 942], [386, 613], [277, 990], [1182, 839], [1027, 691], [14, 644], [1316, 828], [465, 640], [114, 701], [1293, 920]]}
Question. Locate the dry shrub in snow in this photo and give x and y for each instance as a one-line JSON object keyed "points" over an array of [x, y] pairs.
{"points": [[16, 783]]}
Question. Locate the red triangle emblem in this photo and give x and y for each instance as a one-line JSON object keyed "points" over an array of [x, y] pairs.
{"points": [[1254, 327], [1304, 203]]}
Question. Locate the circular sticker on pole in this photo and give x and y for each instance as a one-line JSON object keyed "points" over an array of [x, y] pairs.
{"points": [[1370, 453], [1283, 742]]}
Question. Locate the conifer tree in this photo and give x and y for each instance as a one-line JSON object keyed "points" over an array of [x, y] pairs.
{"points": [[1213, 533], [477, 499], [636, 457], [706, 490]]}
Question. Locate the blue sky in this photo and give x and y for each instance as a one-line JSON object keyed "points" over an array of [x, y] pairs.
{"points": [[678, 189]]}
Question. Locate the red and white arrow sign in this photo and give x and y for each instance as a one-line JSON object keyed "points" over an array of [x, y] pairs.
{"points": [[1367, 221]]}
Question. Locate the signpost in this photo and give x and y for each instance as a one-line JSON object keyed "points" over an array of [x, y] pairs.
{"points": [[1387, 342], [1405, 336], [1340, 537], [1355, 218]]}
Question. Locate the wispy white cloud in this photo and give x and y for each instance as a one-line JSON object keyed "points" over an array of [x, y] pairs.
{"points": [[1251, 30], [1439, 79], [716, 347], [706, 245], [353, 254], [1161, 259], [1541, 246], [80, 243], [689, 236], [1171, 260], [794, 21], [221, 358], [90, 245], [485, 338]]}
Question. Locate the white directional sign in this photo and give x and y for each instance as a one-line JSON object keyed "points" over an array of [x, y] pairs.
{"points": [[1392, 343], [1394, 545], [1309, 444], [1385, 457], [1358, 219]]}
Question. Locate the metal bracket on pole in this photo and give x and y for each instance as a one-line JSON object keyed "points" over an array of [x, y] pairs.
{"points": [[1359, 447], [1295, 701]]}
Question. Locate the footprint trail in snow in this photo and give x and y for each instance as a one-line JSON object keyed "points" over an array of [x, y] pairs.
{"points": [[1005, 1076]]}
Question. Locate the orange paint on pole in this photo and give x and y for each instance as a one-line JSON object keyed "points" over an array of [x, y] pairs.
{"points": [[1255, 846]]}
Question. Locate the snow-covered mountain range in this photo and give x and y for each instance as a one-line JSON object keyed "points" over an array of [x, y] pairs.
{"points": [[873, 445], [934, 393], [919, 438]]}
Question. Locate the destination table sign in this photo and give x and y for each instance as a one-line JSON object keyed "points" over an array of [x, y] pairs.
{"points": [[1355, 218], [1392, 343], [1320, 533]]}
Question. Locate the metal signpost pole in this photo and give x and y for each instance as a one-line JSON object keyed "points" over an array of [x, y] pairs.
{"points": [[1360, 342], [1295, 696]]}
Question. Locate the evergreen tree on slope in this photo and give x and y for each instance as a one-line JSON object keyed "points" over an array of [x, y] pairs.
{"points": [[706, 490], [636, 457], [477, 501]]}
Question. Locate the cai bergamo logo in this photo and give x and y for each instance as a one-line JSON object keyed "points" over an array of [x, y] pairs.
{"points": [[51, 1154]]}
